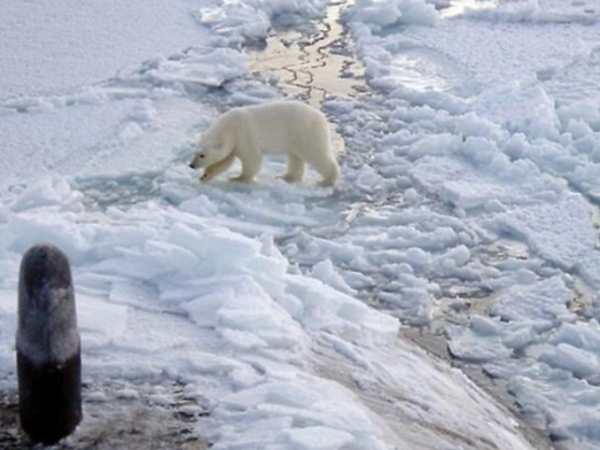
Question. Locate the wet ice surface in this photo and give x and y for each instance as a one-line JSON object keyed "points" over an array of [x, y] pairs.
{"points": [[467, 211], [146, 415]]}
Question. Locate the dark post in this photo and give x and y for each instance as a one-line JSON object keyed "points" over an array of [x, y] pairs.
{"points": [[48, 347]]}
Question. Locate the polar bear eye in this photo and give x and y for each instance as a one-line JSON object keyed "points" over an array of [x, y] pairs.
{"points": [[201, 156]]}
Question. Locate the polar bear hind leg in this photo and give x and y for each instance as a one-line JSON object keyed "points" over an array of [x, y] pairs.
{"points": [[322, 160], [316, 150], [295, 169], [328, 168]]}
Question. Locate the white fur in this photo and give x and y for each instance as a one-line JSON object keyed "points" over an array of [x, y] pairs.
{"points": [[279, 128]]}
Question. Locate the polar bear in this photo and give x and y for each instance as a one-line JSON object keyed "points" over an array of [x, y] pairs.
{"points": [[286, 128]]}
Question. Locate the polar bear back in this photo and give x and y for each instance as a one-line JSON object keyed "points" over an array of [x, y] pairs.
{"points": [[287, 127]]}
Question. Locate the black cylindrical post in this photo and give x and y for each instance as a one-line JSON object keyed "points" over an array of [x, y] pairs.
{"points": [[48, 347]]}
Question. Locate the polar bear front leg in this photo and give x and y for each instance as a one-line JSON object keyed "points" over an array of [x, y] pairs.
{"points": [[212, 171], [251, 165], [295, 169]]}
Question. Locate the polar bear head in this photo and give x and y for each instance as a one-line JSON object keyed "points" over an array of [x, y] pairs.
{"points": [[209, 153], [215, 145]]}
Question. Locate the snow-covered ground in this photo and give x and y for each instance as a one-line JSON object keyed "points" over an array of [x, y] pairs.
{"points": [[468, 208]]}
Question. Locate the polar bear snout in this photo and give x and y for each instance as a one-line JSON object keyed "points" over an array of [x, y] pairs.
{"points": [[197, 161]]}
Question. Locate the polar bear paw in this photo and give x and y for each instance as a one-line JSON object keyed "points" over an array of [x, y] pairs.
{"points": [[290, 178], [326, 183], [242, 179]]}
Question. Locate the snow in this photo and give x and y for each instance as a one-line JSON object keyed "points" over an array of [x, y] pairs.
{"points": [[237, 22], [378, 14], [89, 51], [468, 203]]}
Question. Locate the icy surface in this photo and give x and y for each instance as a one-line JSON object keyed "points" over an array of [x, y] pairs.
{"points": [[506, 139], [470, 189]]}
